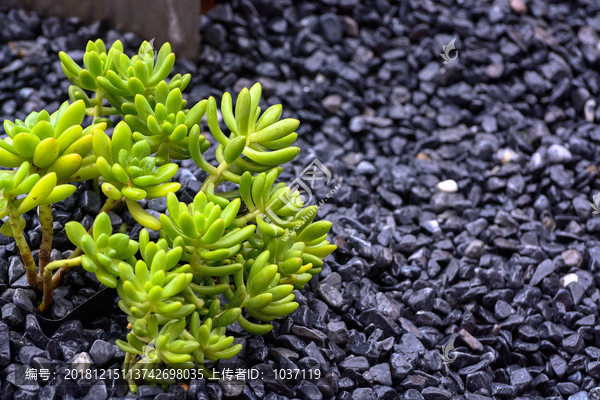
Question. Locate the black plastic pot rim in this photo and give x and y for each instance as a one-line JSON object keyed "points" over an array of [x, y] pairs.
{"points": [[93, 307]]}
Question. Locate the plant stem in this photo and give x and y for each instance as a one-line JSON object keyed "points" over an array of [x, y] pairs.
{"points": [[98, 107], [109, 204], [243, 220], [96, 183], [109, 111], [46, 221], [195, 260], [130, 376], [48, 294], [61, 273], [30, 267], [126, 362], [216, 179], [97, 114]]}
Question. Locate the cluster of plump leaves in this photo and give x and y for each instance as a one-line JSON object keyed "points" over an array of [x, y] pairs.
{"points": [[128, 167], [263, 140], [129, 171], [162, 122], [156, 126], [118, 77], [227, 257], [103, 249], [50, 143]]}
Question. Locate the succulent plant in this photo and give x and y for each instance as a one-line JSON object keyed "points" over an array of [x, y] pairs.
{"points": [[226, 257]]}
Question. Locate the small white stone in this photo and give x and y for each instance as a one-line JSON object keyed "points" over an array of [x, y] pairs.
{"points": [[558, 154], [353, 158], [447, 186], [506, 155], [589, 110], [568, 279], [365, 167], [518, 6], [82, 362], [332, 103]]}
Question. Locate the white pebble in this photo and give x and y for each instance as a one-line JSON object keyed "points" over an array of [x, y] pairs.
{"points": [[82, 362], [589, 110], [568, 279], [365, 167], [506, 155], [558, 154], [447, 186]]}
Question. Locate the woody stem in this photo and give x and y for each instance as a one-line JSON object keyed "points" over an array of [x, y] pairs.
{"points": [[48, 295], [46, 221], [30, 267]]}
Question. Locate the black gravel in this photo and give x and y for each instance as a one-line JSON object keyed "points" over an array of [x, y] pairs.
{"points": [[463, 213]]}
